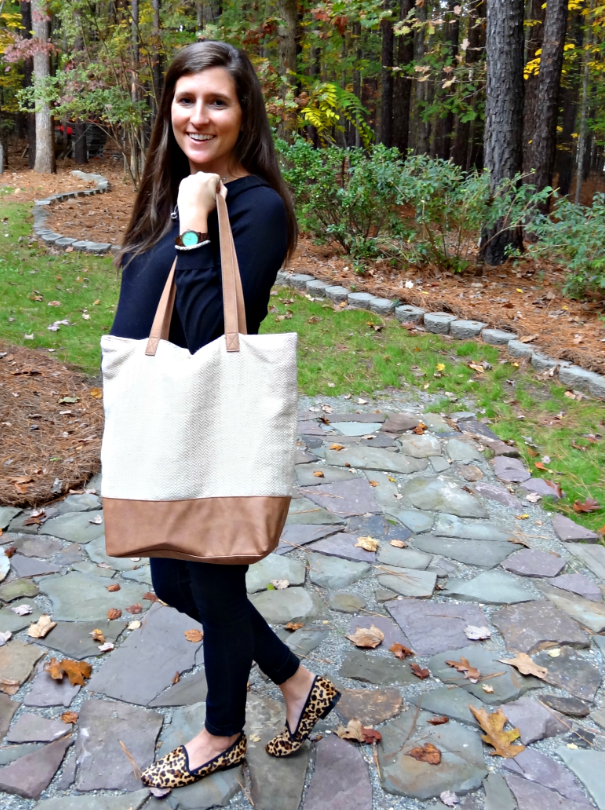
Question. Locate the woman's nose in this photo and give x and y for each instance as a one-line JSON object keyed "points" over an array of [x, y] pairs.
{"points": [[199, 116]]}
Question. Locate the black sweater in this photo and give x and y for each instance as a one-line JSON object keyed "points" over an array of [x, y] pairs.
{"points": [[258, 221]]}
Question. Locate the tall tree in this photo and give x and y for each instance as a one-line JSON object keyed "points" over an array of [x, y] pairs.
{"points": [[503, 113], [422, 128], [45, 147], [452, 37], [385, 135], [534, 44], [28, 70], [570, 92], [157, 67], [78, 138], [288, 36], [464, 151], [551, 63], [402, 91]]}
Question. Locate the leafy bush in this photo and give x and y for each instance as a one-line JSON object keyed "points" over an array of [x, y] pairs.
{"points": [[574, 237]]}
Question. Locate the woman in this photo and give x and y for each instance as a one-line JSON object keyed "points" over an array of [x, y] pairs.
{"points": [[212, 128]]}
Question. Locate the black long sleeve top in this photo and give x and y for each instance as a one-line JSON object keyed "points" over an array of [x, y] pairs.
{"points": [[258, 220]]}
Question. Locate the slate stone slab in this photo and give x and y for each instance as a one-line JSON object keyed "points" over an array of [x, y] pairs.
{"points": [[593, 557], [343, 545], [127, 801], [334, 573], [8, 708], [17, 524], [534, 626], [532, 796], [471, 552], [357, 417], [37, 546], [81, 597], [47, 691], [274, 567], [96, 552], [28, 567], [293, 604], [580, 585], [434, 627], [403, 557], [541, 487], [93, 569], [215, 790], [134, 672], [356, 428], [420, 446], [498, 795], [435, 422], [31, 774], [534, 721], [75, 527], [305, 474], [588, 766], [375, 458], [566, 705], [303, 457], [511, 469], [340, 780], [305, 639], [587, 613], [507, 686], [189, 690], [441, 495], [530, 563], [572, 672], [568, 530], [463, 451], [343, 499], [370, 706], [34, 728], [7, 514], [17, 588], [345, 602], [392, 632], [10, 753], [439, 464], [451, 526], [385, 488], [538, 768], [498, 494], [416, 522], [378, 526], [74, 640], [370, 668], [448, 701], [80, 503], [462, 766], [491, 587], [407, 581], [187, 721], [17, 660], [399, 422], [102, 762], [300, 534], [13, 623]]}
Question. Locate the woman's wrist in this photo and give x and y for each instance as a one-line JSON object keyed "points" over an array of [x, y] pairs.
{"points": [[199, 224]]}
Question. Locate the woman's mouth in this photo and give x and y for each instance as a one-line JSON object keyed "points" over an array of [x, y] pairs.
{"points": [[198, 138]]}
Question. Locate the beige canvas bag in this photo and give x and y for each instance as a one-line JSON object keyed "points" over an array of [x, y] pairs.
{"points": [[198, 449]]}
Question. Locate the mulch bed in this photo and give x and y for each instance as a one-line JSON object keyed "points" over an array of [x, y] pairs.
{"points": [[51, 423]]}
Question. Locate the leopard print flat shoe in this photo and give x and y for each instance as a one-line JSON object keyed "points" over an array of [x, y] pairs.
{"points": [[321, 700], [173, 771]]}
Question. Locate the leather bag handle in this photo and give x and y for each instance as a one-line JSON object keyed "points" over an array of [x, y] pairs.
{"points": [[233, 296]]}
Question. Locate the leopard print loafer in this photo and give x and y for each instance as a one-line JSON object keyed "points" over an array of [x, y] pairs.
{"points": [[321, 700], [172, 770]]}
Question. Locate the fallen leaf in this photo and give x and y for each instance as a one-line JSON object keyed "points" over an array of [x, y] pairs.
{"points": [[371, 736], [539, 466], [528, 339], [113, 613], [353, 731], [159, 793], [134, 625], [487, 688], [374, 483], [9, 686], [10, 551], [106, 647], [195, 636], [440, 367], [367, 543], [76, 671], [398, 544], [448, 798], [96, 393], [476, 367], [97, 520], [521, 541], [135, 609], [419, 672], [336, 447], [428, 753], [525, 665], [292, 626], [477, 633], [533, 497], [521, 517], [151, 597], [177, 678], [255, 738], [554, 653], [4, 637], [589, 505], [367, 638], [493, 725], [113, 588], [318, 474], [471, 673], [439, 721], [42, 627], [400, 651], [97, 635], [420, 428], [280, 584], [69, 717], [22, 610]]}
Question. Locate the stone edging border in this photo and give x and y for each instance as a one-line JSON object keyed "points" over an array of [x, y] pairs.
{"points": [[49, 237], [443, 323]]}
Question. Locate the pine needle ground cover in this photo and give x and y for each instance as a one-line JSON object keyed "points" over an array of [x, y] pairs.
{"points": [[341, 351]]}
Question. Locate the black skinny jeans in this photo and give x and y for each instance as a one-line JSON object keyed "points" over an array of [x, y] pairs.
{"points": [[235, 634]]}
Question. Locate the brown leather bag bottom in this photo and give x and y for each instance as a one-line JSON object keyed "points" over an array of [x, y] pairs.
{"points": [[230, 531]]}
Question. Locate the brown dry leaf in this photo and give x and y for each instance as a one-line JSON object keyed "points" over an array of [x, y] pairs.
{"points": [[54, 669], [398, 544], [525, 665], [69, 717], [589, 505], [439, 721], [177, 678], [419, 672], [371, 736], [135, 609], [400, 651], [539, 466], [97, 635], [367, 543], [9, 686], [195, 636], [428, 753], [113, 588], [420, 428], [42, 627], [367, 638], [151, 597], [521, 541], [472, 673], [292, 626], [528, 339], [476, 367], [113, 613], [336, 447], [96, 393], [76, 671], [353, 731], [318, 474], [493, 725], [10, 551]]}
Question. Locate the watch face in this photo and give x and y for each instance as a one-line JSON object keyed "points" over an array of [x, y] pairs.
{"points": [[190, 238]]}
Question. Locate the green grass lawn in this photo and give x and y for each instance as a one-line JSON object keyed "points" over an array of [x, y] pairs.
{"points": [[339, 353]]}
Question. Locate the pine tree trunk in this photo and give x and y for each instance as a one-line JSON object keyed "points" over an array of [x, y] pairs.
{"points": [[288, 36], [463, 151], [386, 101], [569, 105], [421, 128], [45, 148], [534, 43], [452, 40], [503, 113], [157, 69], [402, 91], [28, 69], [551, 63]]}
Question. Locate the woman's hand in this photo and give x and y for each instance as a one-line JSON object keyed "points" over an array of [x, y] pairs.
{"points": [[196, 199]]}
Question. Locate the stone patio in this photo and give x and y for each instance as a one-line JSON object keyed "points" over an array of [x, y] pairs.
{"points": [[453, 556]]}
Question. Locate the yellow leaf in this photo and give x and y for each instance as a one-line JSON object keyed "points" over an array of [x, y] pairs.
{"points": [[440, 366], [493, 725], [367, 543]]}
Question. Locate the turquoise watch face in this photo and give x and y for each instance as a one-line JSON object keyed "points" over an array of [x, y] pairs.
{"points": [[189, 238]]}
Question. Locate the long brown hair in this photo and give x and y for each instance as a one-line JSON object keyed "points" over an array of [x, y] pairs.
{"points": [[166, 164]]}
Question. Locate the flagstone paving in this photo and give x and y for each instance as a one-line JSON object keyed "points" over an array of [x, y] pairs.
{"points": [[452, 563]]}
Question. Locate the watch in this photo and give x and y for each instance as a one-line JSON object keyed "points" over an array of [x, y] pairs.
{"points": [[190, 239]]}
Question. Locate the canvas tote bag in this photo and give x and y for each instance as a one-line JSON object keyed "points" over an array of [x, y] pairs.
{"points": [[198, 449]]}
